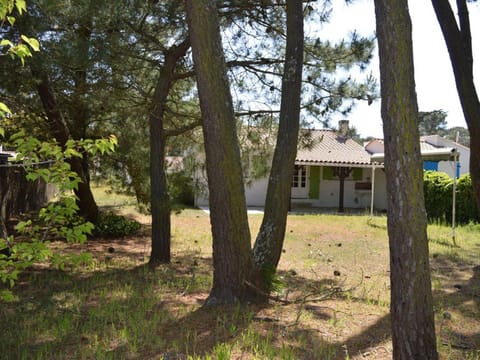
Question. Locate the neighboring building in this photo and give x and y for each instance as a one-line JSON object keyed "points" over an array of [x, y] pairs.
{"points": [[461, 167], [17, 194], [174, 163], [4, 158], [437, 152], [334, 171], [5, 155]]}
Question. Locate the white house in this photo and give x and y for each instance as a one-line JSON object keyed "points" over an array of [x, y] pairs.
{"points": [[334, 171]]}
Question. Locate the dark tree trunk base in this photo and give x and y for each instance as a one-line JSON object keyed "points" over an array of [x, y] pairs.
{"points": [[229, 297], [156, 262]]}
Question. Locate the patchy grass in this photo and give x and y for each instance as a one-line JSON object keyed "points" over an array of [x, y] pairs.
{"points": [[334, 270], [105, 197]]}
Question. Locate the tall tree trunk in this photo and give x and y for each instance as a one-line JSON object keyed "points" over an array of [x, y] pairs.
{"points": [[79, 111], [459, 45], [59, 130], [342, 173], [269, 242], [341, 194], [232, 255], [159, 199], [413, 330]]}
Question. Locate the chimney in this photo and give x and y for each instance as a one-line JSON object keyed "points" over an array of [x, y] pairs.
{"points": [[343, 128]]}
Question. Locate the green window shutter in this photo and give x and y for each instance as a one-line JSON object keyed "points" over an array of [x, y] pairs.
{"points": [[327, 173], [357, 174], [314, 192]]}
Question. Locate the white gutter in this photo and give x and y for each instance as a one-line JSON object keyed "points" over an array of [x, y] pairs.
{"points": [[337, 164], [443, 154]]}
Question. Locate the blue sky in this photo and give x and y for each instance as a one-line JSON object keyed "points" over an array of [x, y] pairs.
{"points": [[433, 75]]}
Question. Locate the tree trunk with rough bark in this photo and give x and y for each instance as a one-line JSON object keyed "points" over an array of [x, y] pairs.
{"points": [[459, 44], [269, 242], [59, 130], [160, 199], [232, 255], [79, 113], [413, 329]]}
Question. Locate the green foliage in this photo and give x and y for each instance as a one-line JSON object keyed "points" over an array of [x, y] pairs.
{"points": [[463, 135], [48, 161], [8, 6], [24, 47], [222, 351], [104, 41], [180, 188], [20, 50], [438, 188], [72, 260], [58, 220], [180, 183], [271, 279], [257, 145], [466, 207], [432, 122], [112, 225], [3, 111]]}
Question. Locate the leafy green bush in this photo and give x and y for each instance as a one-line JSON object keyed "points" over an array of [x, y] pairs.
{"points": [[112, 225], [466, 207], [437, 188], [57, 220], [180, 188]]}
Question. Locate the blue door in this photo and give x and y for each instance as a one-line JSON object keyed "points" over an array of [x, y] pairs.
{"points": [[430, 165]]}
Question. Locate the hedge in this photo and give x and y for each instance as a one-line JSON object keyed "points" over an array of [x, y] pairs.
{"points": [[438, 189], [466, 207]]}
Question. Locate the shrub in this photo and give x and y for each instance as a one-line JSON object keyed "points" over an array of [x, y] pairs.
{"points": [[437, 188], [466, 207], [180, 188], [112, 225]]}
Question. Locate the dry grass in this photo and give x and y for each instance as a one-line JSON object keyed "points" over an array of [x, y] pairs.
{"points": [[115, 308]]}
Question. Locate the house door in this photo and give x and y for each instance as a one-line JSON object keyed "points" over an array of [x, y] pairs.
{"points": [[299, 182]]}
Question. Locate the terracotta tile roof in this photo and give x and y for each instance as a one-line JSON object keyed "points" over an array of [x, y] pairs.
{"points": [[329, 147]]}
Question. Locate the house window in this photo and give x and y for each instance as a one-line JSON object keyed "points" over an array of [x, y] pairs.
{"points": [[299, 177]]}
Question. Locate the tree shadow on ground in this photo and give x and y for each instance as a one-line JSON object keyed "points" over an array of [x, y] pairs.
{"points": [[142, 314], [274, 330], [457, 299], [79, 314]]}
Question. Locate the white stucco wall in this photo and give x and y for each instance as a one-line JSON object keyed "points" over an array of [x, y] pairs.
{"points": [[255, 193], [380, 201], [357, 199], [329, 195], [449, 167]]}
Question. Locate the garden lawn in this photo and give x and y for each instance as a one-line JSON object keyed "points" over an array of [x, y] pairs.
{"points": [[332, 298]]}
